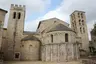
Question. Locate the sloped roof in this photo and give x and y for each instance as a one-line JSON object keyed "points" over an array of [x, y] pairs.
{"points": [[3, 10], [50, 19], [60, 27], [30, 37], [28, 32]]}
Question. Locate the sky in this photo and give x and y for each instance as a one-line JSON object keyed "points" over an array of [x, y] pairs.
{"points": [[37, 10]]}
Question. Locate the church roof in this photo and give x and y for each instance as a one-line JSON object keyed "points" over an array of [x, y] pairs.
{"points": [[3, 10], [50, 19], [29, 32], [60, 27], [30, 37]]}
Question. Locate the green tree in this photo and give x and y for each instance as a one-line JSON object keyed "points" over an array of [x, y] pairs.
{"points": [[94, 30]]}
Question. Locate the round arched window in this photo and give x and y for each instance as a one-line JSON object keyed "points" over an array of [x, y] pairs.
{"points": [[66, 37], [19, 15], [14, 15]]}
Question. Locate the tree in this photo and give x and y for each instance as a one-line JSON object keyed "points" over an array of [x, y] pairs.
{"points": [[94, 30]]}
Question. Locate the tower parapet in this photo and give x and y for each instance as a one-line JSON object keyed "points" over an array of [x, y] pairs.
{"points": [[19, 7]]}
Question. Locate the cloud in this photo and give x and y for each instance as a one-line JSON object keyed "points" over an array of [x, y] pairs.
{"points": [[84, 5], [32, 25], [89, 6], [32, 6], [62, 12], [68, 6]]}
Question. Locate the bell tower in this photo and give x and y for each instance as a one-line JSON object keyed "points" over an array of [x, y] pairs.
{"points": [[78, 24], [15, 31]]}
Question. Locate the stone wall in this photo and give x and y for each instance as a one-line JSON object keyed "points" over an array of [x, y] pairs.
{"points": [[59, 50], [15, 30], [79, 25], [58, 37], [2, 18], [4, 43], [30, 50]]}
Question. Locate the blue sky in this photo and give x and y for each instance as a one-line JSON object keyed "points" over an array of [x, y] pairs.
{"points": [[54, 4], [34, 15]]}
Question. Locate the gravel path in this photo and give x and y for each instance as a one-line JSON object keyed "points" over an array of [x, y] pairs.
{"points": [[39, 62]]}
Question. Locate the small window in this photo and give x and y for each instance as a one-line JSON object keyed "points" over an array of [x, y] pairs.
{"points": [[80, 29], [75, 23], [14, 15], [19, 15], [17, 55], [79, 22], [22, 45], [83, 30], [66, 37], [30, 45], [30, 48], [82, 22], [54, 21], [51, 38], [81, 15]]}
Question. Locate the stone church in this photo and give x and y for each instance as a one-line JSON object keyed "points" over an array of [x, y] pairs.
{"points": [[53, 40]]}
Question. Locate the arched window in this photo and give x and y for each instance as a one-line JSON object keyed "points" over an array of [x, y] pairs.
{"points": [[80, 29], [30, 48], [81, 15], [19, 15], [75, 23], [30, 45], [66, 37], [82, 22], [17, 55], [83, 30], [14, 15], [54, 21], [51, 38], [22, 45]]}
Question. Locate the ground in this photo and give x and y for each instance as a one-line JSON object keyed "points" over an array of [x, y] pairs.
{"points": [[39, 62]]}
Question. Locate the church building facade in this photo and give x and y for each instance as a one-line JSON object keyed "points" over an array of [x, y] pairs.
{"points": [[53, 40]]}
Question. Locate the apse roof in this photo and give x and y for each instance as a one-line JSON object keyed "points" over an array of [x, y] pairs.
{"points": [[30, 37], [60, 27]]}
